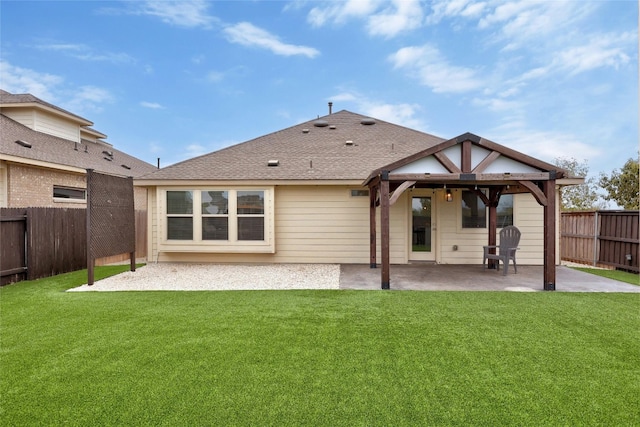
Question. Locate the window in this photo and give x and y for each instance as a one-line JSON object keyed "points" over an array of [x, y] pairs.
{"points": [[219, 219], [179, 215], [359, 193], [250, 215], [215, 215], [474, 212], [504, 211], [69, 193]]}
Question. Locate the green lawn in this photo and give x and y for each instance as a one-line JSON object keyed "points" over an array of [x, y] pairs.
{"points": [[622, 276], [319, 358]]}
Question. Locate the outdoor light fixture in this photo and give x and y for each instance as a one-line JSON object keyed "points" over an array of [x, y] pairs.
{"points": [[448, 196]]}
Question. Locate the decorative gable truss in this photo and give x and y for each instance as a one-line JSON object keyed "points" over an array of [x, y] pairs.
{"points": [[474, 163]]}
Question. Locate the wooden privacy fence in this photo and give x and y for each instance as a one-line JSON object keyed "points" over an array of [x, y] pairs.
{"points": [[42, 242], [601, 238]]}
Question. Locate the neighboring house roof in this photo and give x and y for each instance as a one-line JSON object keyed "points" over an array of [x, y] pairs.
{"points": [[313, 150], [26, 99], [58, 151]]}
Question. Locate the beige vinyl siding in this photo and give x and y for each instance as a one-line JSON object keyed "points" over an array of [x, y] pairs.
{"points": [[152, 225], [53, 125], [325, 224], [528, 217], [313, 224], [25, 117]]}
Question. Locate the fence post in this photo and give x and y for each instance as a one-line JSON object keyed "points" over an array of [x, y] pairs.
{"points": [[595, 238], [90, 260]]}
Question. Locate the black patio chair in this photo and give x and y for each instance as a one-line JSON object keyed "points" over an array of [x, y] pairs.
{"points": [[506, 250]]}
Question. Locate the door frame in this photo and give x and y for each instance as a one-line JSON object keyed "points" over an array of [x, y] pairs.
{"points": [[422, 256]]}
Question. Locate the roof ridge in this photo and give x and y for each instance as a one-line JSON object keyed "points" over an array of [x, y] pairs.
{"points": [[24, 98]]}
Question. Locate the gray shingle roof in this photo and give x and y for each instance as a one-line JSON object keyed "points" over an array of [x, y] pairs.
{"points": [[51, 149], [321, 153], [7, 98]]}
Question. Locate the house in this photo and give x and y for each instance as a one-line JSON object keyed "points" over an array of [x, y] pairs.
{"points": [[46, 150], [345, 188]]}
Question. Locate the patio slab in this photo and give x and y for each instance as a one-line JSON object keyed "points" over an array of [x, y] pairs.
{"points": [[444, 277]]}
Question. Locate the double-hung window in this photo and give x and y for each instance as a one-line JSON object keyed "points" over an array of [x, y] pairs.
{"points": [[250, 215], [180, 215], [215, 215]]}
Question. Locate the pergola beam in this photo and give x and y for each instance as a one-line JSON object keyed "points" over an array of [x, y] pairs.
{"points": [[486, 162], [471, 178], [446, 162], [398, 191], [535, 191]]}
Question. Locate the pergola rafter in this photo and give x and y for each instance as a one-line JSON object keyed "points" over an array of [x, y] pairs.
{"points": [[490, 173]]}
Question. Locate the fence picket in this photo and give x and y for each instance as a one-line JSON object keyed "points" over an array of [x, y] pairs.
{"points": [[56, 241], [601, 238]]}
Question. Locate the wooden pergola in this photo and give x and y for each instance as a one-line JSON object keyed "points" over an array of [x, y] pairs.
{"points": [[473, 163]]}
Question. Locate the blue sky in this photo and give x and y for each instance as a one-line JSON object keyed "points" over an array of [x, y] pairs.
{"points": [[179, 79]]}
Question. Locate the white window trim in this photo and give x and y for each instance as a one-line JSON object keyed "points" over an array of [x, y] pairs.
{"points": [[218, 246]]}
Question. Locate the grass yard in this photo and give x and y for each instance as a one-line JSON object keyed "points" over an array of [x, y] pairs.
{"points": [[622, 276], [321, 358]]}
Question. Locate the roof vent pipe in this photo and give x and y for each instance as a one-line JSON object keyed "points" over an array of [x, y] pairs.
{"points": [[330, 105]]}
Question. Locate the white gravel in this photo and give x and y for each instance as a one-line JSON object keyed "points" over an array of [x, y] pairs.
{"points": [[219, 277]]}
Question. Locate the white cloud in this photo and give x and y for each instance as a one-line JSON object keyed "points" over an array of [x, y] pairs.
{"points": [[545, 145], [182, 13], [151, 105], [402, 15], [51, 88], [602, 50], [452, 8], [402, 114], [22, 80], [86, 53], [194, 150], [344, 97], [340, 12], [87, 99], [383, 18], [496, 104], [532, 24], [215, 76], [247, 34], [428, 65], [198, 59]]}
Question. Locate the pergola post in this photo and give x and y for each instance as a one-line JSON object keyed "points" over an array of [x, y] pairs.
{"points": [[550, 236], [494, 197], [384, 228]]}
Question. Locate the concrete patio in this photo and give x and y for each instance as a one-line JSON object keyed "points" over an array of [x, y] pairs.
{"points": [[441, 277]]}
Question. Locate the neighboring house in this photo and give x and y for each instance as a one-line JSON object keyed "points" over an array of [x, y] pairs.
{"points": [[302, 195], [45, 152]]}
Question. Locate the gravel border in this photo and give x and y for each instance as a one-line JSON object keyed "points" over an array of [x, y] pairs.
{"points": [[219, 277]]}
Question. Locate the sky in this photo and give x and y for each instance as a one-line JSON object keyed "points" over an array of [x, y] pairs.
{"points": [[177, 79]]}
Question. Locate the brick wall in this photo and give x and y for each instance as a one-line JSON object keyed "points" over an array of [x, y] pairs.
{"points": [[29, 186]]}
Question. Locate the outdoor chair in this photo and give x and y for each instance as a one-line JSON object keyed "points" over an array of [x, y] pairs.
{"points": [[506, 250]]}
